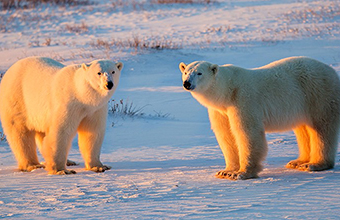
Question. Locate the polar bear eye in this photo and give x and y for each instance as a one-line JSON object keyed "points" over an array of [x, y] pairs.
{"points": [[199, 74], [99, 73], [113, 72]]}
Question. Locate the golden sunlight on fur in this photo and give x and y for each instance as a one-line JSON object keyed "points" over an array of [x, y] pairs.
{"points": [[296, 93], [44, 103]]}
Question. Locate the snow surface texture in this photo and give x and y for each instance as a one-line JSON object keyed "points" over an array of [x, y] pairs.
{"points": [[165, 156]]}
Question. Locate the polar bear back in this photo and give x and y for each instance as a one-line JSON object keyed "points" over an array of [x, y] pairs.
{"points": [[293, 87], [284, 93], [27, 87], [33, 73]]}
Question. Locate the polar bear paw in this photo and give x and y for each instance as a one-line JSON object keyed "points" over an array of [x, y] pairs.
{"points": [[71, 163], [235, 175], [223, 174], [100, 169], [62, 172], [315, 166], [30, 168], [295, 164]]}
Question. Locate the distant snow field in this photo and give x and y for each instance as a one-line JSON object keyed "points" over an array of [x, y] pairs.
{"points": [[163, 154]]}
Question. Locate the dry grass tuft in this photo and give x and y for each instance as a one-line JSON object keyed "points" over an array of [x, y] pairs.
{"points": [[77, 28], [181, 1], [313, 15], [125, 108], [12, 4], [128, 109], [2, 137], [47, 42], [36, 43], [140, 5], [136, 43]]}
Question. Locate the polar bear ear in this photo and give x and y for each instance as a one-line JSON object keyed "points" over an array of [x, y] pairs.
{"points": [[182, 66], [85, 66], [119, 65], [214, 68]]}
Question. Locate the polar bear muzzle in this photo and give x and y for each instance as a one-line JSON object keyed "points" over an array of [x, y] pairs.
{"points": [[107, 81], [187, 85], [109, 85]]}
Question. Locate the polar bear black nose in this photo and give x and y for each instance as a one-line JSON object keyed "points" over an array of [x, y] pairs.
{"points": [[109, 85], [187, 85]]}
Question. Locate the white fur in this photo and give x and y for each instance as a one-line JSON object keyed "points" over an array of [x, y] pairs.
{"points": [[296, 93], [44, 103]]}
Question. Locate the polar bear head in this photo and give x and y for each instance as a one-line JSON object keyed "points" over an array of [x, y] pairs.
{"points": [[103, 75], [198, 76]]}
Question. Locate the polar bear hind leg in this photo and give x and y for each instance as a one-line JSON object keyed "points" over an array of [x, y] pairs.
{"points": [[317, 147], [24, 148], [39, 138], [323, 147]]}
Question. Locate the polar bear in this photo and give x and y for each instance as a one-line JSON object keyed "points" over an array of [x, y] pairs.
{"points": [[295, 93], [44, 103]]}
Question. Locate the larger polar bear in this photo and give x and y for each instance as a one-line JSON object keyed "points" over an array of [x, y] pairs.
{"points": [[44, 103], [296, 93]]}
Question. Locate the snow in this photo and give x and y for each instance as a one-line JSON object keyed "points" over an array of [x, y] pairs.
{"points": [[164, 160]]}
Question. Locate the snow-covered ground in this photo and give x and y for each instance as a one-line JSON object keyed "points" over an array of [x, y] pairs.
{"points": [[164, 159]]}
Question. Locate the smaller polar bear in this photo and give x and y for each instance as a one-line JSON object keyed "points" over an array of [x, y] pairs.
{"points": [[296, 93], [44, 103]]}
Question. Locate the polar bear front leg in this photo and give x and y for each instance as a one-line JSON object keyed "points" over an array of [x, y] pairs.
{"points": [[91, 133], [249, 135], [304, 143], [56, 146], [221, 126]]}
